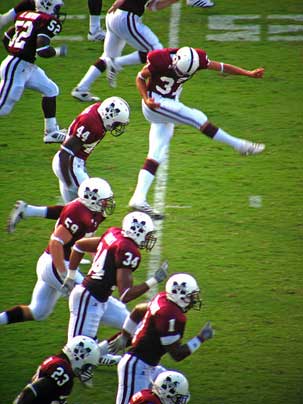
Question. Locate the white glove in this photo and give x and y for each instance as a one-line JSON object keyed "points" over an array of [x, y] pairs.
{"points": [[61, 50]]}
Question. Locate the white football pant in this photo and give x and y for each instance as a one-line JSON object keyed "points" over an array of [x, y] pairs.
{"points": [[86, 313], [17, 75], [47, 289], [134, 375], [77, 173]]}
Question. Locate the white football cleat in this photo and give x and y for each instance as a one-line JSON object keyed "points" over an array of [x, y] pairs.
{"points": [[248, 148], [109, 360], [84, 96], [15, 216], [56, 136], [98, 35], [200, 3], [145, 208], [112, 70]]}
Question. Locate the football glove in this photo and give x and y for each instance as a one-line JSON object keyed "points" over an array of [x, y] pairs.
{"points": [[118, 344], [61, 50], [162, 272], [67, 287], [207, 332]]}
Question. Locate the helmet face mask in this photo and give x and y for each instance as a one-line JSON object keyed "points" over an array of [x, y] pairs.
{"points": [[185, 62], [171, 387], [97, 196], [114, 112], [140, 228], [83, 353], [183, 290]]}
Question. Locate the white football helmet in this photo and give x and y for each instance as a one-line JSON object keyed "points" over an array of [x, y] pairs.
{"points": [[114, 112], [171, 387], [186, 61], [49, 6], [83, 353], [139, 227], [183, 290], [97, 195]]}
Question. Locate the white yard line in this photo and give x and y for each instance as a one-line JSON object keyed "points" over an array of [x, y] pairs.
{"points": [[162, 173]]}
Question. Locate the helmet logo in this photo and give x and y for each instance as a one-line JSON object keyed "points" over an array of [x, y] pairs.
{"points": [[179, 288], [91, 194], [111, 111], [169, 386], [80, 352], [138, 227]]}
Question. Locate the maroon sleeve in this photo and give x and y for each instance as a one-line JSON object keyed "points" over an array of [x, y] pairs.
{"points": [[203, 59]]}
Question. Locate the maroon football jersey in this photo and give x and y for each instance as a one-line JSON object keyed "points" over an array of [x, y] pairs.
{"points": [[59, 371], [134, 6], [163, 324], [79, 221], [144, 397], [164, 80], [88, 127], [28, 26], [114, 251], [25, 5]]}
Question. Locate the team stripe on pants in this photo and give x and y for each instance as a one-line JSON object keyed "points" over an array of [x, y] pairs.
{"points": [[82, 312], [129, 378], [8, 79], [135, 33]]}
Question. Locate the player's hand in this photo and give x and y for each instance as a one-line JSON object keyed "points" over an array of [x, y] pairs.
{"points": [[118, 344], [257, 73], [67, 287], [115, 6], [207, 332], [162, 272], [150, 102], [61, 50]]}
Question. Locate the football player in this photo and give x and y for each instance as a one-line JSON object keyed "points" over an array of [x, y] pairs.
{"points": [[123, 26], [77, 219], [53, 380], [84, 134], [160, 84], [117, 257], [32, 34], [160, 331], [170, 387]]}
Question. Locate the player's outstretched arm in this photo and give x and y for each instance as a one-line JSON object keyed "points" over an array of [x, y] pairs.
{"points": [[231, 69]]}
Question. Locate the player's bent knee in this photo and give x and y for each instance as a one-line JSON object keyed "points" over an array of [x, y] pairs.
{"points": [[52, 91], [39, 314]]}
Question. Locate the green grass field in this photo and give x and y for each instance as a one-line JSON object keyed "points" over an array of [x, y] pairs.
{"points": [[248, 260]]}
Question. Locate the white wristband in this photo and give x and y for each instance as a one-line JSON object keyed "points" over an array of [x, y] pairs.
{"points": [[71, 274], [129, 326], [151, 282], [193, 344]]}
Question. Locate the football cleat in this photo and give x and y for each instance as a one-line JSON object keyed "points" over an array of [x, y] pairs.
{"points": [[112, 69], [248, 148], [145, 208], [85, 261], [16, 215], [200, 3], [109, 360], [98, 35], [56, 136], [84, 96]]}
